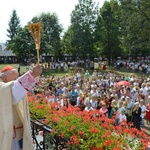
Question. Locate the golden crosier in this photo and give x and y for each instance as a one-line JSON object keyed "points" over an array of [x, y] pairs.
{"points": [[35, 30]]}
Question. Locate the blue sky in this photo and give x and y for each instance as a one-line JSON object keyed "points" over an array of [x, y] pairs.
{"points": [[27, 9]]}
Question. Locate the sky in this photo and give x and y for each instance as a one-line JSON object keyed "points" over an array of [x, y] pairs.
{"points": [[27, 9]]}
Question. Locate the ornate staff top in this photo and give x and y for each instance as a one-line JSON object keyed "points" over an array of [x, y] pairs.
{"points": [[35, 29]]}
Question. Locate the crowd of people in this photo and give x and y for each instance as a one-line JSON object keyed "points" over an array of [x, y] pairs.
{"points": [[138, 64], [88, 90], [97, 90]]}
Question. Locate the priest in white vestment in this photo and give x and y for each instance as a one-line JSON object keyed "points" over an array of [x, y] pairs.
{"points": [[15, 132]]}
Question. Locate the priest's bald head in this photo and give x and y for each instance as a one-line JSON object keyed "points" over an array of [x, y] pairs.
{"points": [[8, 73]]}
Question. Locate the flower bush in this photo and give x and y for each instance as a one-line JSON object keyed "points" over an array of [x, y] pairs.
{"points": [[89, 130], [38, 106]]}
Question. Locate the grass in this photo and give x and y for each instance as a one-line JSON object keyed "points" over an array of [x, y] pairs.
{"points": [[126, 72], [51, 72], [70, 72], [23, 68]]}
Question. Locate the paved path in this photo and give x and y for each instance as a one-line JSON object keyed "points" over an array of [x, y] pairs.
{"points": [[147, 131], [146, 127]]}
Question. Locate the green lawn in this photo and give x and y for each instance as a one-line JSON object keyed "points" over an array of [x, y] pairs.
{"points": [[70, 72], [51, 72], [23, 68], [126, 72]]}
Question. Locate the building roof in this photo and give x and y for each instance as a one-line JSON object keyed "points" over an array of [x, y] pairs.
{"points": [[6, 53]]}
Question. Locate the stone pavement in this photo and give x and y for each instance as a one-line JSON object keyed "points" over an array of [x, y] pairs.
{"points": [[146, 127], [39, 138], [147, 131]]}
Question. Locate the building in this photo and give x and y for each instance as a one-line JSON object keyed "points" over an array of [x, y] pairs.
{"points": [[6, 56], [2, 46]]}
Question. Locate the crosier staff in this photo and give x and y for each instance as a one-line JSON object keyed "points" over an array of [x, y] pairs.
{"points": [[35, 29]]}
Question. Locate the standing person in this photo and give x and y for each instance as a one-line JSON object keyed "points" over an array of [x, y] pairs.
{"points": [[80, 101], [143, 111], [14, 113], [104, 109], [73, 96], [136, 116], [122, 118], [18, 69], [148, 112], [104, 66], [88, 107], [129, 107], [87, 74]]}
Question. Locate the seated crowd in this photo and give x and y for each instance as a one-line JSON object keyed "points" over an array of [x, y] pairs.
{"points": [[99, 91]]}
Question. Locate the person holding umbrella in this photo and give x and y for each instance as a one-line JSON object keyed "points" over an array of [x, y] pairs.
{"points": [[122, 83]]}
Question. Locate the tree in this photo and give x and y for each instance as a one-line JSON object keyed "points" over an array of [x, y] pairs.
{"points": [[109, 33], [51, 36], [14, 26], [23, 44], [83, 21], [66, 41], [135, 24]]}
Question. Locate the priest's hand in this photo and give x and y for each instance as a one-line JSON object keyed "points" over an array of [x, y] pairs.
{"points": [[36, 71]]}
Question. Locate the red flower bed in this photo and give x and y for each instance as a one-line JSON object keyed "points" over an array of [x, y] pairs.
{"points": [[88, 130]]}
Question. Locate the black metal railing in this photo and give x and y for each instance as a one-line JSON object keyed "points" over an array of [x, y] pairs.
{"points": [[44, 141]]}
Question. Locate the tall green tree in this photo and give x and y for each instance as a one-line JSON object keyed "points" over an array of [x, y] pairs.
{"points": [[135, 24], [51, 36], [83, 22], [98, 44], [66, 41], [14, 26], [110, 32], [23, 44]]}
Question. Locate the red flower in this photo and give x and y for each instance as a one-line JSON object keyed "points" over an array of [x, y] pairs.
{"points": [[46, 121], [108, 142], [72, 128], [69, 143], [80, 132], [40, 107], [94, 130], [53, 131], [62, 134], [45, 100], [31, 98], [75, 140], [56, 119]]}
